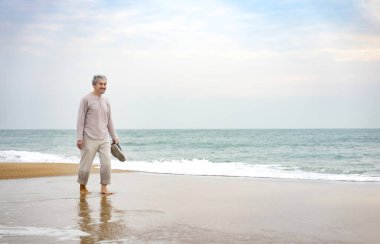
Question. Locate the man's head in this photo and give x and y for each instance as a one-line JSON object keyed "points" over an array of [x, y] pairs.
{"points": [[99, 82]]}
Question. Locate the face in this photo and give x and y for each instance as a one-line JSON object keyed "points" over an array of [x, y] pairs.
{"points": [[100, 86]]}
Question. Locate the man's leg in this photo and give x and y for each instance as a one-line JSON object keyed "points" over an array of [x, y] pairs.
{"points": [[87, 157], [105, 166]]}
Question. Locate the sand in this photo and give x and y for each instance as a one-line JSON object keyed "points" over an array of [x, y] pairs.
{"points": [[156, 208], [30, 170]]}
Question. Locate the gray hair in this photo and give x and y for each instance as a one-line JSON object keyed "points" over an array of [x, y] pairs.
{"points": [[98, 77]]}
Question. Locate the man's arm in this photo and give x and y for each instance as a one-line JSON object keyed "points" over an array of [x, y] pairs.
{"points": [[80, 123], [110, 127]]}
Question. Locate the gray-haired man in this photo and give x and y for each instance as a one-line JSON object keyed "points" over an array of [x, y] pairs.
{"points": [[94, 124]]}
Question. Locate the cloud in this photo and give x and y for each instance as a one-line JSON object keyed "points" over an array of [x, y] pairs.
{"points": [[209, 27], [211, 40], [372, 8]]}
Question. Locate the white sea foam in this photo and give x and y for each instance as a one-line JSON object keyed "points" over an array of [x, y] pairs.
{"points": [[25, 156], [205, 167], [60, 234]]}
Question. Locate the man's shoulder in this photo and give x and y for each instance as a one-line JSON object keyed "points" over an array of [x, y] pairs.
{"points": [[87, 96]]}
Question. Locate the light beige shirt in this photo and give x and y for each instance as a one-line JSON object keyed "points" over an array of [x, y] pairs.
{"points": [[94, 118]]}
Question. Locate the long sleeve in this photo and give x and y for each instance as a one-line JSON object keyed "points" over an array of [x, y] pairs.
{"points": [[81, 117], [110, 126]]}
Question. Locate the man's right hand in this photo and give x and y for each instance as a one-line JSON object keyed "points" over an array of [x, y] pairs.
{"points": [[80, 144]]}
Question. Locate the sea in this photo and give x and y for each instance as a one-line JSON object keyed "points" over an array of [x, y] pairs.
{"points": [[306, 154]]}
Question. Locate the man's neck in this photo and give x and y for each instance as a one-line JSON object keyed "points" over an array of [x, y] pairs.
{"points": [[97, 94]]}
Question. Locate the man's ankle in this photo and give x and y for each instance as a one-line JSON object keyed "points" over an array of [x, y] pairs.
{"points": [[104, 190], [83, 189]]}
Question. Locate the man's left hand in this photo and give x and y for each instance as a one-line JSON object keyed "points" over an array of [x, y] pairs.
{"points": [[115, 141]]}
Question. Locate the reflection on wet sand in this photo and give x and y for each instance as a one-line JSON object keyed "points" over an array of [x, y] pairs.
{"points": [[108, 226]]}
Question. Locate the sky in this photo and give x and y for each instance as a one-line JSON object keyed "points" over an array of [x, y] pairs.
{"points": [[199, 64]]}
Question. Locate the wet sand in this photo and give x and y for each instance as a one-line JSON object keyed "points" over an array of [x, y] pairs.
{"points": [[154, 208]]}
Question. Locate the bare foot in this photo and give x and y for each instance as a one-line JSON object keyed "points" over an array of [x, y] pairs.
{"points": [[104, 190], [83, 190]]}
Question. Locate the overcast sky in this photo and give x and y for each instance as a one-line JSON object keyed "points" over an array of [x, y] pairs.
{"points": [[192, 64]]}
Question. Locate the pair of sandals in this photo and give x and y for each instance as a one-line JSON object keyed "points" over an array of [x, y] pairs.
{"points": [[117, 152]]}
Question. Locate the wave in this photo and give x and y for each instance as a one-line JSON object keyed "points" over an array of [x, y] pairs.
{"points": [[235, 169], [195, 167]]}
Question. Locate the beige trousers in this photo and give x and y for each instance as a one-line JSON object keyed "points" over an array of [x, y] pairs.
{"points": [[88, 152]]}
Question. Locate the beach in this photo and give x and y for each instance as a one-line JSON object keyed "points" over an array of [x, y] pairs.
{"points": [[165, 208], [31, 170]]}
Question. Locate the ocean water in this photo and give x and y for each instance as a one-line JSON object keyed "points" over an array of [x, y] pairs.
{"points": [[318, 154]]}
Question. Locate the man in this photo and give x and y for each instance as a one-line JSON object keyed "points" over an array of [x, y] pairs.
{"points": [[94, 124]]}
